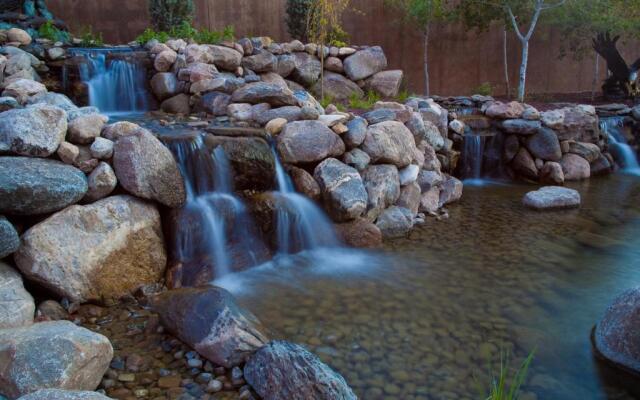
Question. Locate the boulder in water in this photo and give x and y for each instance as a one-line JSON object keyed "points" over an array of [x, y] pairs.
{"points": [[451, 191], [575, 167], [17, 304], [545, 145], [343, 191], [552, 197], [551, 173], [395, 222], [360, 233], [35, 131]]}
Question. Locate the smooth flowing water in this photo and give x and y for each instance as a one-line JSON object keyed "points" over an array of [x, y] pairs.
{"points": [[472, 158], [430, 315], [623, 153]]}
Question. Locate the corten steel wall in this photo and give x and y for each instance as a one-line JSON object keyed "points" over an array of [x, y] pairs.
{"points": [[459, 61]]}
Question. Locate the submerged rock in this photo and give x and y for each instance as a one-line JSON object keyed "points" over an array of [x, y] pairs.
{"points": [[343, 191], [209, 320], [395, 222], [286, 371], [16, 304], [552, 197], [50, 355]]}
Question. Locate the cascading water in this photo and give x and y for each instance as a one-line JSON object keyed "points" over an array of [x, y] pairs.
{"points": [[472, 157], [624, 155], [116, 85]]}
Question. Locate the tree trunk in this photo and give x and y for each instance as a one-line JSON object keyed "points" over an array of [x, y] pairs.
{"points": [[426, 61], [506, 63], [523, 70]]}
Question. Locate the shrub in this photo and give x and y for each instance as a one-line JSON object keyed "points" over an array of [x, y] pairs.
{"points": [[170, 14], [484, 89], [186, 31], [90, 39], [500, 389], [366, 103], [297, 16], [49, 31]]}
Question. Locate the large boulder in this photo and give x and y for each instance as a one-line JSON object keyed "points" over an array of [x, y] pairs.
{"points": [[84, 129], [499, 110], [386, 83], [356, 134], [59, 394], [588, 151], [286, 371], [288, 113], [263, 61], [225, 57], [99, 251], [575, 167], [305, 183], [343, 191], [209, 320], [551, 173], [35, 131], [360, 233], [410, 197], [51, 355], [617, 335], [545, 145], [307, 142], [579, 123], [261, 92], [552, 197], [53, 99], [178, 104], [450, 191], [22, 89], [521, 126], [337, 87], [214, 103], [30, 186], [307, 69], [389, 142], [525, 165], [147, 169], [395, 222], [365, 63], [9, 239], [16, 304], [164, 85], [382, 183]]}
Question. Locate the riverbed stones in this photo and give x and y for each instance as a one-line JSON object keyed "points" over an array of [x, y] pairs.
{"points": [[35, 131], [337, 87], [286, 371], [9, 239], [552, 197], [102, 181], [382, 183], [308, 141], [49, 355], [31, 186], [147, 169], [365, 63], [59, 394], [359, 233], [389, 142], [386, 83], [588, 151], [395, 222], [575, 167], [101, 148], [84, 129], [617, 335], [545, 145], [209, 320], [16, 304], [22, 89], [342, 188], [99, 251], [261, 92], [551, 173]]}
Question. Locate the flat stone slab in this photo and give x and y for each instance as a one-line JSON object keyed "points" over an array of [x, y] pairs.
{"points": [[552, 198]]}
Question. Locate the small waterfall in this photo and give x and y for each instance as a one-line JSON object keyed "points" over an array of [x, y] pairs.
{"points": [[472, 157], [624, 155], [301, 225], [116, 84]]}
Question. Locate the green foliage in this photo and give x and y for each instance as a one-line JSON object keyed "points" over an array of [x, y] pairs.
{"points": [[403, 96], [90, 39], [49, 31], [150, 34], [297, 16], [485, 89], [421, 12], [169, 14], [325, 101], [187, 32], [366, 103], [500, 388]]}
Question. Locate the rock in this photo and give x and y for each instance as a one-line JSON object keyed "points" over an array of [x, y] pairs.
{"points": [[499, 110], [431, 161], [383, 188], [102, 181], [389, 142], [337, 87], [285, 371], [409, 174], [178, 104], [48, 355], [147, 169], [451, 191], [31, 186], [35, 131], [525, 165], [520, 126], [51, 310], [272, 77], [531, 113], [386, 83], [588, 151], [261, 92], [410, 196], [552, 119], [58, 394], [380, 115], [552, 197], [83, 130], [102, 148], [356, 134], [332, 120], [357, 159], [8, 103], [164, 85], [286, 64], [601, 166], [307, 69], [575, 167], [9, 239], [99, 251], [225, 57], [16, 304], [551, 173], [209, 321], [263, 61], [334, 64], [195, 72], [395, 222], [305, 183], [343, 191], [430, 201], [360, 233], [457, 126], [365, 63], [219, 84], [545, 145], [616, 335], [429, 179], [240, 111], [19, 36], [308, 141], [275, 126], [165, 60], [214, 103], [53, 99], [120, 129], [635, 113], [81, 111], [288, 113], [511, 148], [306, 100]]}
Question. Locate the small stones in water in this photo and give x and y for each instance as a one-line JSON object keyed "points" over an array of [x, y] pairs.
{"points": [[214, 386]]}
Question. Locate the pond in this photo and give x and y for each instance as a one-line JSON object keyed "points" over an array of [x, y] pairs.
{"points": [[430, 316]]}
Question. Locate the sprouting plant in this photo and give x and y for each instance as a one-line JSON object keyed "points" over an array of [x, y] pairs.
{"points": [[49, 31], [402, 96], [186, 31], [91, 39], [500, 388], [369, 100], [484, 89], [325, 101]]}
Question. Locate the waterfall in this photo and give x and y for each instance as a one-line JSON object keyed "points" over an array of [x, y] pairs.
{"points": [[624, 155], [472, 157], [301, 225], [116, 85]]}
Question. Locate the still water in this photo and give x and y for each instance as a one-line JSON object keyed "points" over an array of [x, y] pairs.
{"points": [[430, 315]]}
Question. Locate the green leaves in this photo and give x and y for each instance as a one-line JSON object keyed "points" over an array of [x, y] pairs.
{"points": [[169, 14]]}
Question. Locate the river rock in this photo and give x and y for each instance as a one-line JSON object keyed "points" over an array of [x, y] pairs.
{"points": [[214, 103], [334, 64], [357, 159], [9, 239], [499, 110], [49, 355], [118, 130], [101, 148], [429, 179], [165, 60], [102, 181], [343, 191], [525, 165], [286, 371], [179, 104], [575, 167], [430, 201], [197, 71], [382, 183], [308, 141], [337, 87], [8, 103], [286, 65], [53, 99], [601, 166], [386, 83], [209, 320], [307, 69], [365, 63], [22, 89], [410, 197], [58, 394], [580, 123], [520, 126], [30, 186], [35, 131], [225, 57], [409, 174], [19, 36], [395, 222], [510, 148], [305, 183], [356, 134], [288, 113], [551, 173], [164, 85], [84, 129], [545, 145], [389, 142], [552, 197], [147, 169], [360, 233], [263, 61], [261, 92], [451, 191], [16, 304], [379, 115], [99, 251], [588, 151]]}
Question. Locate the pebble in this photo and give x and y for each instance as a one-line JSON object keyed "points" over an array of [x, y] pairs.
{"points": [[194, 363], [204, 377], [127, 377], [214, 386]]}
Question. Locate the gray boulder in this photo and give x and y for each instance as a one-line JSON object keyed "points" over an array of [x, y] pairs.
{"points": [[178, 104], [357, 159], [451, 191], [263, 61], [588, 151], [545, 145], [35, 131], [365, 63], [286, 64], [337, 87], [342, 189], [389, 142], [8, 103], [224, 57], [285, 371], [525, 165], [552, 197], [58, 394], [386, 83], [31, 186], [575, 167], [53, 99], [356, 134], [308, 141], [290, 113], [261, 92], [214, 103], [102, 181], [307, 69], [84, 129], [521, 126], [164, 85], [382, 183], [16, 304], [395, 222], [379, 115], [9, 239]]}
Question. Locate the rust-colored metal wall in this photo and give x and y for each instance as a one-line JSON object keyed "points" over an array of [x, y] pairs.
{"points": [[459, 61]]}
